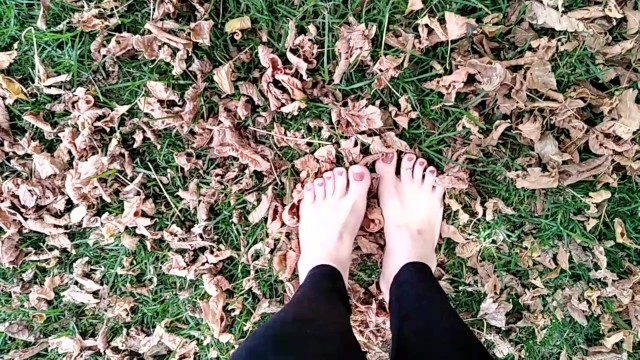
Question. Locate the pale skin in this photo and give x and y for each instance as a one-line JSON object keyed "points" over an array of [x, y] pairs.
{"points": [[333, 208]]}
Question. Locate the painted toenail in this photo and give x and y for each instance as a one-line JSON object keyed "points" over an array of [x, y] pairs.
{"points": [[387, 158], [308, 187], [422, 162], [432, 170], [409, 157], [340, 172], [358, 176], [328, 176], [320, 183]]}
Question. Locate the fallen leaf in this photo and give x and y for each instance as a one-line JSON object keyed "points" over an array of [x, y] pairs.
{"points": [[223, 77], [237, 24], [353, 46], [624, 120], [13, 87], [621, 234], [451, 232], [573, 173], [563, 257], [494, 312], [6, 58], [42, 16], [540, 77], [37, 120], [200, 31], [535, 178], [413, 5], [161, 91], [356, 116], [541, 15], [261, 210], [633, 23]]}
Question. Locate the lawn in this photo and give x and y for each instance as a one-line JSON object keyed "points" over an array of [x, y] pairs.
{"points": [[152, 155]]}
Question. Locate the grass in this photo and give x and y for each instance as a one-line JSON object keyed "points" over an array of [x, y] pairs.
{"points": [[67, 50]]}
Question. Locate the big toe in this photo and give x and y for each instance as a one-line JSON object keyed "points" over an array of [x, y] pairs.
{"points": [[386, 165], [359, 179]]}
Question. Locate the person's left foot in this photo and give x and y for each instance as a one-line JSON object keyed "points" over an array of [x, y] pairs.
{"points": [[331, 213]]}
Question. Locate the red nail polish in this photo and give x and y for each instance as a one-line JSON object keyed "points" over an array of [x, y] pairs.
{"points": [[409, 157], [358, 176], [432, 170], [328, 176], [422, 162], [340, 172], [320, 183], [387, 158], [308, 187]]}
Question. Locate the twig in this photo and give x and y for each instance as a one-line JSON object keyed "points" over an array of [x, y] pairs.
{"points": [[175, 208], [289, 137]]}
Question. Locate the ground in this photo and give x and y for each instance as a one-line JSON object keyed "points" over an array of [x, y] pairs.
{"points": [[545, 303]]}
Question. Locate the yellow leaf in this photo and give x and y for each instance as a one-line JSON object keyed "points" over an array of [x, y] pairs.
{"points": [[13, 87], [237, 24]]}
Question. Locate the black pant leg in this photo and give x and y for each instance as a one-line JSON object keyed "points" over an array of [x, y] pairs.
{"points": [[423, 323], [315, 324]]}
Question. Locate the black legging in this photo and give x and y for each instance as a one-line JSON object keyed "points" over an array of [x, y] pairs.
{"points": [[315, 323]]}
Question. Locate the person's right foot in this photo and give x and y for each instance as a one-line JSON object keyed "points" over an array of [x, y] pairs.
{"points": [[412, 208]]}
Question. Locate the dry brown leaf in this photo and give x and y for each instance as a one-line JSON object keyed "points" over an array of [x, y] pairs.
{"points": [[624, 119], [6, 58], [37, 120], [413, 5], [353, 46], [356, 116], [161, 91], [223, 77], [386, 68], [5, 128], [261, 210], [535, 178], [541, 15], [494, 312], [27, 353], [540, 77], [498, 128], [621, 234], [573, 173], [237, 24], [563, 257], [200, 31], [633, 22], [451, 232], [404, 114], [42, 16]]}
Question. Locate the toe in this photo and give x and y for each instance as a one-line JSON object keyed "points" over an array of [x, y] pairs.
{"points": [[340, 175], [438, 190], [418, 170], [318, 185], [430, 177], [329, 183], [359, 179], [406, 168], [386, 165], [309, 196]]}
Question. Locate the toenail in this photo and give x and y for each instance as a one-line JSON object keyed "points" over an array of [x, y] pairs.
{"points": [[409, 157], [340, 172], [358, 176], [320, 183], [422, 162], [432, 170], [328, 176], [308, 187], [387, 158]]}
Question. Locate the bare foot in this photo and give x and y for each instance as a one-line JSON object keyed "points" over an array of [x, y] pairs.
{"points": [[412, 208], [331, 213]]}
